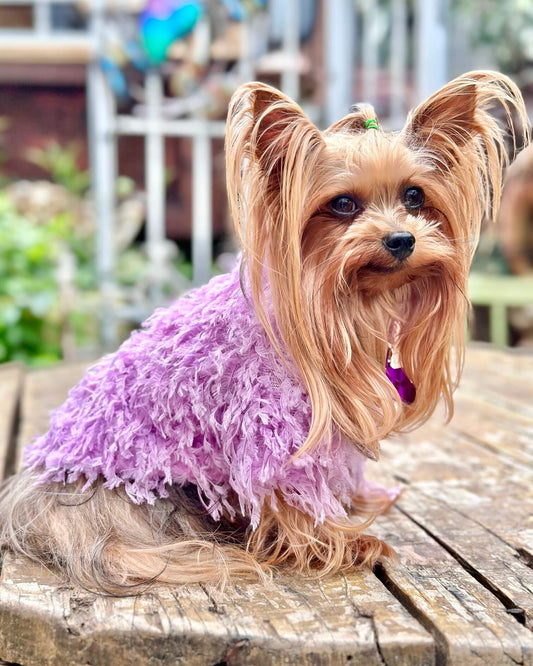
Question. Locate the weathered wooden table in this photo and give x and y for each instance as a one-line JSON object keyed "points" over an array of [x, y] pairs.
{"points": [[461, 594]]}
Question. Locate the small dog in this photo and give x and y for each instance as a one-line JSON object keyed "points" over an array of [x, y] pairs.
{"points": [[229, 435]]}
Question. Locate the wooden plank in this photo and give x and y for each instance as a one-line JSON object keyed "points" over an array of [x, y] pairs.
{"points": [[511, 367], [493, 403], [463, 530], [36, 50], [44, 390], [496, 427], [10, 386], [475, 501], [471, 627], [495, 391], [492, 490], [351, 619], [488, 358], [483, 554]]}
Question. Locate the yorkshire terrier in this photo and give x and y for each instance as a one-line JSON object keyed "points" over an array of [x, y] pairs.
{"points": [[228, 436]]}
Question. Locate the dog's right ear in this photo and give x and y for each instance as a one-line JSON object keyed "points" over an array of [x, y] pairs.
{"points": [[271, 130], [277, 121]]}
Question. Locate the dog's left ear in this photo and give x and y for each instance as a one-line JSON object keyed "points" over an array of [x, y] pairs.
{"points": [[447, 117], [480, 106]]}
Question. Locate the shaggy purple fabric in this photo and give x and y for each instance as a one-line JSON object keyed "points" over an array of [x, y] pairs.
{"points": [[198, 396]]}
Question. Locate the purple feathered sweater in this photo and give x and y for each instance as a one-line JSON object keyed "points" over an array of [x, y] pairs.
{"points": [[198, 396]]}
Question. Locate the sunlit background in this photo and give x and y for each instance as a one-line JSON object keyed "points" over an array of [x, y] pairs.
{"points": [[112, 196]]}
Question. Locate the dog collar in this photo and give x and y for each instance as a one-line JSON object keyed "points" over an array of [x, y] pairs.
{"points": [[401, 382]]}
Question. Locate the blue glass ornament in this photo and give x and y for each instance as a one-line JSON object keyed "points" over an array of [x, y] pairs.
{"points": [[162, 22]]}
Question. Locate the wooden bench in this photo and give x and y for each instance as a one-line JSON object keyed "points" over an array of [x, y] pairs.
{"points": [[462, 592], [499, 293]]}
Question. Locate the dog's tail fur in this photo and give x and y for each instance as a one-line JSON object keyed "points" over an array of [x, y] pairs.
{"points": [[102, 541]]}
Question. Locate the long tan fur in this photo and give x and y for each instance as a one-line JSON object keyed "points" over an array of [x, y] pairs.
{"points": [[104, 542], [332, 298]]}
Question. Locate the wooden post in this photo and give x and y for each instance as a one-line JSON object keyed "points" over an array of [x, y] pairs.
{"points": [[154, 166], [202, 235], [431, 48], [100, 112], [339, 55], [398, 62]]}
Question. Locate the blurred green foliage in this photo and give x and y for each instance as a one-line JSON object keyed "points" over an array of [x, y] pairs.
{"points": [[37, 316], [30, 309], [61, 163], [506, 27]]}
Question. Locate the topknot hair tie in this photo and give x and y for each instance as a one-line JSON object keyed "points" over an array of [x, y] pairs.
{"points": [[371, 123]]}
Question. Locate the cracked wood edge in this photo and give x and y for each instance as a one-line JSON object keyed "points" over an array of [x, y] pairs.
{"points": [[10, 387], [473, 499], [483, 554], [470, 625], [493, 490], [294, 622]]}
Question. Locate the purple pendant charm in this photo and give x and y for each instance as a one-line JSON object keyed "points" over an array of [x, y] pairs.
{"points": [[401, 382]]}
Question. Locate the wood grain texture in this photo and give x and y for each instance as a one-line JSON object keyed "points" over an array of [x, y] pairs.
{"points": [[10, 387], [43, 391], [338, 621], [470, 625], [468, 491], [461, 593]]}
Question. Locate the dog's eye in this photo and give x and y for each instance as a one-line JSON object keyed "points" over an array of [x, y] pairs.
{"points": [[413, 197], [344, 206]]}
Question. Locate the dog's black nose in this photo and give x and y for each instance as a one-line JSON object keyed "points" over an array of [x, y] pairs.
{"points": [[400, 244]]}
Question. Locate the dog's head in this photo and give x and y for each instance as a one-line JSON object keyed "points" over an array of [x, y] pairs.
{"points": [[355, 240]]}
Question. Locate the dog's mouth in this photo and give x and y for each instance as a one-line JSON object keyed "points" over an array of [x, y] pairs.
{"points": [[379, 268], [377, 276], [390, 267]]}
